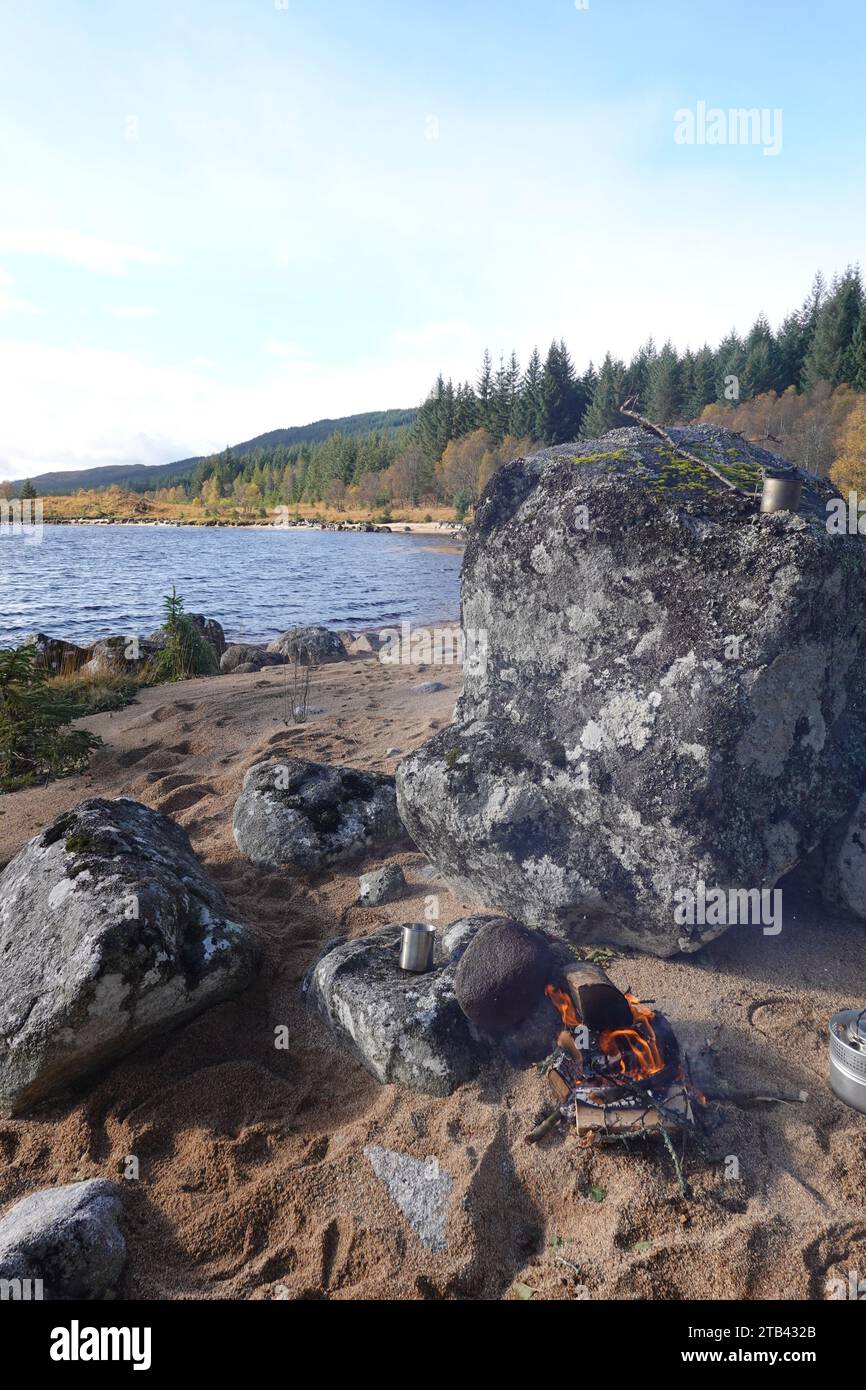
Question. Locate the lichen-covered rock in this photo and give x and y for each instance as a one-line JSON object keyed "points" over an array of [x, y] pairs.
{"points": [[110, 931], [673, 690], [67, 1237], [381, 886], [307, 815], [309, 646], [402, 1027]]}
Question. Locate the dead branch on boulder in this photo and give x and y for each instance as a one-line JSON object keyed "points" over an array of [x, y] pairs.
{"points": [[626, 409]]}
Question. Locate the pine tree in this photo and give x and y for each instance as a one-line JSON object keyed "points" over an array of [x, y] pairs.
{"points": [[527, 422], [637, 373], [858, 353], [603, 412], [664, 396], [484, 393], [27, 491], [701, 388], [830, 356], [562, 399]]}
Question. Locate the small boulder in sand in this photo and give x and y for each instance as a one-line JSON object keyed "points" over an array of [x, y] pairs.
{"points": [[309, 646], [240, 658], [306, 815], [110, 931], [67, 1237], [402, 1027], [381, 886]]}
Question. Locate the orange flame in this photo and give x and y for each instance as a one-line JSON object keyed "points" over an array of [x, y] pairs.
{"points": [[636, 1052], [642, 1057], [564, 1003]]}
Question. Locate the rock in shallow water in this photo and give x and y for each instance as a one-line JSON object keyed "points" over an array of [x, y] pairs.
{"points": [[68, 1237], [674, 691], [110, 931], [306, 815]]}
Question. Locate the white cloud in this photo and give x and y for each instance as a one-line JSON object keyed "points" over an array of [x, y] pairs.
{"points": [[91, 253], [117, 407]]}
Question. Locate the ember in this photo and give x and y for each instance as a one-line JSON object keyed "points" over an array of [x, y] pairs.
{"points": [[616, 1070]]}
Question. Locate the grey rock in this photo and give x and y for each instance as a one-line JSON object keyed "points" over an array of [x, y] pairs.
{"points": [[308, 646], [402, 1027], [673, 691], [308, 815], [428, 687], [208, 627], [242, 655], [110, 931], [501, 974], [54, 654], [68, 1237], [420, 1188], [118, 656], [381, 886], [844, 864]]}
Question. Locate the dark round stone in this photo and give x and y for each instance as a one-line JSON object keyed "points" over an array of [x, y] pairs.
{"points": [[501, 975]]}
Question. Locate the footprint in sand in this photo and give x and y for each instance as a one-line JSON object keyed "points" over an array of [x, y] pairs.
{"points": [[183, 798], [134, 755], [169, 782], [163, 712]]}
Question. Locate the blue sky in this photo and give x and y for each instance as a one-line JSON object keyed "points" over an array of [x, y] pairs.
{"points": [[221, 217]]}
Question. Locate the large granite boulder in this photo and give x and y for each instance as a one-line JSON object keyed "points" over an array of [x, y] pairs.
{"points": [[67, 1238], [673, 692], [110, 931], [402, 1027], [307, 815], [309, 646]]}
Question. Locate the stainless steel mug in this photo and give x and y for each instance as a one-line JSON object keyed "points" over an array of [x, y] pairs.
{"points": [[781, 493], [416, 947]]}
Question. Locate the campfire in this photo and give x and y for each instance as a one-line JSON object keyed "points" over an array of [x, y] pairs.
{"points": [[617, 1071]]}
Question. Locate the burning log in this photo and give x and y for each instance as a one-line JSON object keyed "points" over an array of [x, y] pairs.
{"points": [[597, 1001]]}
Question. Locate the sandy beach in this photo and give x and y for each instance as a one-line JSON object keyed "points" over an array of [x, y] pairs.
{"points": [[253, 1181]]}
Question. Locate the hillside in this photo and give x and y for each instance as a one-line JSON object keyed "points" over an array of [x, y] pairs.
{"points": [[145, 476]]}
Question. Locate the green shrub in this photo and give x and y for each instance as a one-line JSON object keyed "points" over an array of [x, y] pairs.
{"points": [[34, 741], [187, 652]]}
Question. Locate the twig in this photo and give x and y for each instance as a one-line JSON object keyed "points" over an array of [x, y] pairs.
{"points": [[543, 1127], [677, 448], [685, 1190], [731, 1097]]}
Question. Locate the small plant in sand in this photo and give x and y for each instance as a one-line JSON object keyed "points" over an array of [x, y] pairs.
{"points": [[35, 742], [187, 652]]}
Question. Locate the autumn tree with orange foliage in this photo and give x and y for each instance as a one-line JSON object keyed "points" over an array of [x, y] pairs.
{"points": [[849, 470]]}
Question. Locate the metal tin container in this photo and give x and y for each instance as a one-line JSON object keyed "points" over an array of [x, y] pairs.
{"points": [[416, 947], [781, 493], [848, 1057]]}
